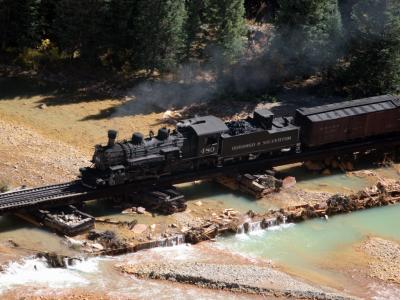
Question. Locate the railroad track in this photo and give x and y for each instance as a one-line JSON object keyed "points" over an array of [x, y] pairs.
{"points": [[73, 192], [30, 197]]}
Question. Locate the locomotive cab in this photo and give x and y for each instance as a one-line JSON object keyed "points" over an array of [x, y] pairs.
{"points": [[202, 135]]}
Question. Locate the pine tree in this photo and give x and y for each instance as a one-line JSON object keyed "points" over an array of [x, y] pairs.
{"points": [[194, 27], [226, 19], [375, 47], [120, 23], [16, 23], [308, 35], [346, 9], [160, 34], [45, 16], [79, 27], [119, 30]]}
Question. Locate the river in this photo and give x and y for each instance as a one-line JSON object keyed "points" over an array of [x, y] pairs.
{"points": [[308, 250]]}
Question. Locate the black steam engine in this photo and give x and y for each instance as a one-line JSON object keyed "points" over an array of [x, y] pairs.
{"points": [[208, 142]]}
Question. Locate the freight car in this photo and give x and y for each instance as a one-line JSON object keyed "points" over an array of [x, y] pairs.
{"points": [[348, 121], [208, 142]]}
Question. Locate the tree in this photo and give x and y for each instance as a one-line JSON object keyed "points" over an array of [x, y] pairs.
{"points": [[227, 23], [44, 19], [194, 27], [120, 24], [374, 50], [308, 35], [15, 23], [119, 30], [160, 34], [79, 27], [261, 10], [346, 9]]}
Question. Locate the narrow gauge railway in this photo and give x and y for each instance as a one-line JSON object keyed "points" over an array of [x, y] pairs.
{"points": [[203, 147], [75, 192]]}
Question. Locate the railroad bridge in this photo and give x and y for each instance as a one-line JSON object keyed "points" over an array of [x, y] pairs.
{"points": [[74, 192]]}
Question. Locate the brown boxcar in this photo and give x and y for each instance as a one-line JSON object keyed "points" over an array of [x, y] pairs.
{"points": [[350, 120]]}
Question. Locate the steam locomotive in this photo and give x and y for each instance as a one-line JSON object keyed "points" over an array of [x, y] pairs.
{"points": [[208, 142]]}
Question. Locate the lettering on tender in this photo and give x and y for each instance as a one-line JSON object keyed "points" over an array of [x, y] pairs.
{"points": [[266, 142]]}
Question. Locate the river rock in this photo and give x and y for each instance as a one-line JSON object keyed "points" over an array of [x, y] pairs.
{"points": [[139, 228], [326, 172], [131, 210], [97, 246], [288, 182], [93, 234], [53, 259], [140, 210], [74, 244], [12, 243]]}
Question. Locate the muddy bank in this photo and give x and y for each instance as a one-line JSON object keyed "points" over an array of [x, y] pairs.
{"points": [[236, 278]]}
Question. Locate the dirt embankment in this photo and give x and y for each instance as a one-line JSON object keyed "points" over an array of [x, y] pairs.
{"points": [[31, 159]]}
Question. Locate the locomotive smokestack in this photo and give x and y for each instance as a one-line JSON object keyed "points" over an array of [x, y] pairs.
{"points": [[112, 135]]}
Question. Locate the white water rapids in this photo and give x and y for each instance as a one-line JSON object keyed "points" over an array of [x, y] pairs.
{"points": [[36, 272], [101, 275]]}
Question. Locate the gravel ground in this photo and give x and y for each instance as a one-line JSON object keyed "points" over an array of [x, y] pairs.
{"points": [[237, 278], [385, 262], [28, 158]]}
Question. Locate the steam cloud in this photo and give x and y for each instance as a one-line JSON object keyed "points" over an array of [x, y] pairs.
{"points": [[197, 83], [158, 96]]}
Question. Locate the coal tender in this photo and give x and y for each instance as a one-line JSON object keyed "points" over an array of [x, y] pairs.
{"points": [[203, 143]]}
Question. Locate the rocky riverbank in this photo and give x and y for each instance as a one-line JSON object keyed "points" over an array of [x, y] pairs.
{"points": [[236, 278], [211, 223], [384, 259]]}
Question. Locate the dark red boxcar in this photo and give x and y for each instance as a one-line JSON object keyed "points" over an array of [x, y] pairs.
{"points": [[350, 120]]}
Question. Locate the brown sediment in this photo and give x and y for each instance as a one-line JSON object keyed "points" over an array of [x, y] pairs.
{"points": [[371, 265], [70, 295]]}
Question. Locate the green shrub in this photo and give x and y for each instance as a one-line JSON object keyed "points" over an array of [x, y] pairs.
{"points": [[3, 187], [45, 55]]}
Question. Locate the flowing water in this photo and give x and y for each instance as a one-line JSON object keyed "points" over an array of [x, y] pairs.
{"points": [[303, 249], [307, 245], [311, 248], [101, 275]]}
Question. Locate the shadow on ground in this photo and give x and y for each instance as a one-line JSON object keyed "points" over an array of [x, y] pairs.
{"points": [[151, 96], [52, 94]]}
